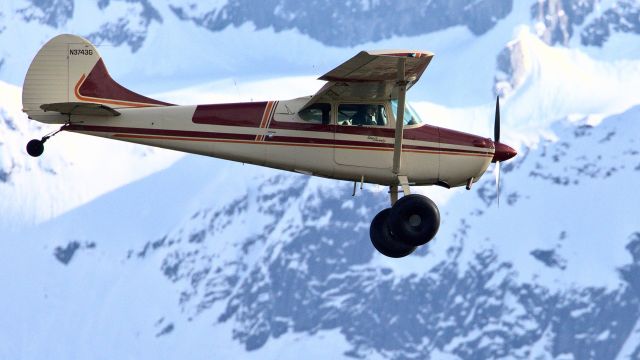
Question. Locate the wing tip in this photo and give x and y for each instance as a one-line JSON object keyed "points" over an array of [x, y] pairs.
{"points": [[401, 53]]}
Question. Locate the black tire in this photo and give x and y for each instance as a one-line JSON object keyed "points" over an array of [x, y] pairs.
{"points": [[382, 239], [35, 148], [414, 220]]}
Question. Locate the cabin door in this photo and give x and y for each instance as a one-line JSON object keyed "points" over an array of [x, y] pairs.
{"points": [[363, 136]]}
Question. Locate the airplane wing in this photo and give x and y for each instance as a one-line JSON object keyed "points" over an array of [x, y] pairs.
{"points": [[371, 75]]}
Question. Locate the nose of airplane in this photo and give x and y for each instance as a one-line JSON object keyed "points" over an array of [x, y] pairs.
{"points": [[503, 152]]}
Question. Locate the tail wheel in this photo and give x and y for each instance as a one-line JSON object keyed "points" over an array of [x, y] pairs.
{"points": [[414, 220], [35, 148], [383, 240]]}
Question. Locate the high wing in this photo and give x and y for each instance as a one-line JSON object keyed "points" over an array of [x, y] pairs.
{"points": [[371, 75]]}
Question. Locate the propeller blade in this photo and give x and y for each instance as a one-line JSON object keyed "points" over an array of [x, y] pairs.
{"points": [[496, 126], [497, 174]]}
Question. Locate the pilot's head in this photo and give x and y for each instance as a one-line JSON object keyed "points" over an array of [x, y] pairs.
{"points": [[371, 110]]}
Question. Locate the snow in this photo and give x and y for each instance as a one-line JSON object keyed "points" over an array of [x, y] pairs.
{"points": [[616, 48], [231, 90], [110, 308], [324, 345], [631, 343], [42, 188], [603, 336], [541, 216], [560, 82], [564, 81]]}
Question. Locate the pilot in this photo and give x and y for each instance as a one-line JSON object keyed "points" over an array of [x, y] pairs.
{"points": [[366, 115]]}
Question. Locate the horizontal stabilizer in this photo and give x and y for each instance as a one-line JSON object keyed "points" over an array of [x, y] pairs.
{"points": [[80, 108]]}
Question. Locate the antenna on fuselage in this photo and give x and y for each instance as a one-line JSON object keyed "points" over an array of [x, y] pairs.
{"points": [[235, 84]]}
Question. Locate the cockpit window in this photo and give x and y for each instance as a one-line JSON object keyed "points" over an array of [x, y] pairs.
{"points": [[318, 113], [362, 114], [410, 115]]}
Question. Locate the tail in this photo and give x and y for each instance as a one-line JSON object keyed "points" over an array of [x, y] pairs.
{"points": [[68, 74]]}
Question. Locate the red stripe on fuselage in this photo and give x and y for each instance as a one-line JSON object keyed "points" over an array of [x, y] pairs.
{"points": [[185, 135], [239, 114], [159, 132], [422, 133], [253, 115], [421, 150]]}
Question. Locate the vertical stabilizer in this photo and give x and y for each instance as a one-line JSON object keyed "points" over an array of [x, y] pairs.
{"points": [[69, 69]]}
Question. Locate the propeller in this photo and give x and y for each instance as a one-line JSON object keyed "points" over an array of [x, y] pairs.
{"points": [[496, 140], [503, 152], [496, 124], [496, 173]]}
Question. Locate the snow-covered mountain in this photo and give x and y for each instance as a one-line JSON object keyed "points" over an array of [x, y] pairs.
{"points": [[509, 282], [33, 190], [140, 253], [166, 44], [251, 259], [352, 22]]}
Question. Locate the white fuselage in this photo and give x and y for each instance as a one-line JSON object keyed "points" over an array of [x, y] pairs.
{"points": [[272, 134]]}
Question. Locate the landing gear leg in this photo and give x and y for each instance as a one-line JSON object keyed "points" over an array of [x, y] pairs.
{"points": [[393, 194], [35, 147]]}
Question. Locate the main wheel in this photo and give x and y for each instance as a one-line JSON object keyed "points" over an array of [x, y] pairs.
{"points": [[414, 220], [35, 148], [383, 240]]}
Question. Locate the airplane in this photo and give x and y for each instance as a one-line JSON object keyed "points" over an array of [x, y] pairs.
{"points": [[357, 127]]}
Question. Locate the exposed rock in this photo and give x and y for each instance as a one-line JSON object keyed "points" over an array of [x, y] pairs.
{"points": [[557, 20], [131, 29], [511, 69], [350, 23], [54, 13], [624, 18]]}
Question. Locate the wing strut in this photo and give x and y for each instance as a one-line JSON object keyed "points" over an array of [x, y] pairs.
{"points": [[402, 92], [397, 147]]}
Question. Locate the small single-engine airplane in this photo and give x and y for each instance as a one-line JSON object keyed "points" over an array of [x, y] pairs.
{"points": [[357, 128]]}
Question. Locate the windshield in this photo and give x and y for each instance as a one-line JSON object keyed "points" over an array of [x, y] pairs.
{"points": [[410, 116]]}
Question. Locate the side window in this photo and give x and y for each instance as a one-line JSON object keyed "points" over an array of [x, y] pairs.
{"points": [[410, 115], [362, 114], [319, 113]]}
